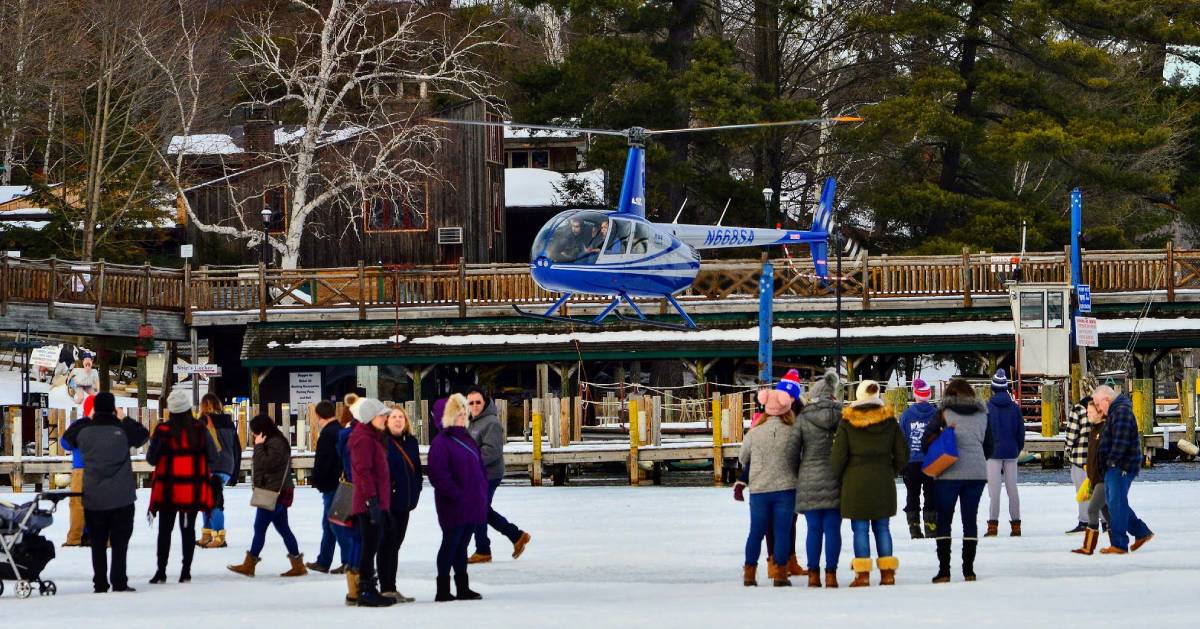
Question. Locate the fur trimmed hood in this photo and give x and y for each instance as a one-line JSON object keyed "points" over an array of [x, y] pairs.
{"points": [[963, 405], [866, 415]]}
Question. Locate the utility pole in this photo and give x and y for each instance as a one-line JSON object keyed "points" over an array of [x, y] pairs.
{"points": [[766, 297]]}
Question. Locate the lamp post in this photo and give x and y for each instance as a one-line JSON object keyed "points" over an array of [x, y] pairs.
{"points": [[266, 245], [838, 243], [766, 296]]}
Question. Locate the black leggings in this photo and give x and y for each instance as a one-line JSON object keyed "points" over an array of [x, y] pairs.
{"points": [[453, 551], [187, 529], [389, 554]]}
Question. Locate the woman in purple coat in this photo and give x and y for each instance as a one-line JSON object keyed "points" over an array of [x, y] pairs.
{"points": [[460, 487]]}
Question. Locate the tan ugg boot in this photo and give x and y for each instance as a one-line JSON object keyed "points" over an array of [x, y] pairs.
{"points": [[831, 579], [297, 569], [520, 544], [749, 575], [794, 567], [218, 540], [352, 586], [771, 568], [206, 536], [887, 570], [862, 572], [1090, 538], [246, 568]]}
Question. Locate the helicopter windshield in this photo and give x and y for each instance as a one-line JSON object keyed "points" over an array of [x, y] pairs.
{"points": [[573, 237]]}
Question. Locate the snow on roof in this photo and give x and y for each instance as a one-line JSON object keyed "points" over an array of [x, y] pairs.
{"points": [[23, 224], [336, 343], [536, 187], [8, 193], [522, 133], [203, 144], [26, 212]]}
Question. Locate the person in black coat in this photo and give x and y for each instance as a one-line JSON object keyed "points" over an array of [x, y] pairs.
{"points": [[326, 476], [404, 466]]}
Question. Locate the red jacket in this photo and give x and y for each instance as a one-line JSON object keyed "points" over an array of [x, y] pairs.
{"points": [[369, 469], [182, 453]]}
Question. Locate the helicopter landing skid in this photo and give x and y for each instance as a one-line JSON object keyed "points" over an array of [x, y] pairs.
{"points": [[688, 324], [611, 308], [550, 316]]}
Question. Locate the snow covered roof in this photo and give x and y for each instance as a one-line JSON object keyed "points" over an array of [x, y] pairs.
{"points": [[537, 187], [8, 193], [203, 144]]}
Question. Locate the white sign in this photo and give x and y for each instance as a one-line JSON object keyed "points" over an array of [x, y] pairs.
{"points": [[210, 370], [45, 357], [1085, 332], [304, 388], [185, 251]]}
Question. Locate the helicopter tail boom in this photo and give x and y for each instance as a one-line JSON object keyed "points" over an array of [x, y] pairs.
{"points": [[717, 237]]}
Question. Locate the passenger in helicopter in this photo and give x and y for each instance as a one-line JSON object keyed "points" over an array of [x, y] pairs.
{"points": [[569, 244]]}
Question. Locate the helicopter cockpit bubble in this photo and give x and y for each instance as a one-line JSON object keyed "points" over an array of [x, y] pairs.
{"points": [[572, 237]]}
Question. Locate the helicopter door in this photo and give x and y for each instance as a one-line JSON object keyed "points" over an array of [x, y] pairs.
{"points": [[620, 233], [644, 241]]}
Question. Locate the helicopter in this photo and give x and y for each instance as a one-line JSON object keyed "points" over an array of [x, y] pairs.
{"points": [[621, 255]]}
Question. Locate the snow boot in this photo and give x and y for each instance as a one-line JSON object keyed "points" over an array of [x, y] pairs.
{"points": [[831, 579], [814, 578], [887, 570], [794, 567], [218, 540], [520, 544], [351, 586], [462, 588], [930, 518], [992, 529], [246, 568], [368, 595], [479, 558], [771, 567], [1079, 528], [1015, 530], [1113, 550], [443, 590], [914, 526], [780, 580], [862, 572], [297, 569], [398, 597], [206, 536], [185, 575], [943, 555], [342, 569], [316, 567], [1090, 538], [1141, 541], [968, 553], [750, 575], [160, 576]]}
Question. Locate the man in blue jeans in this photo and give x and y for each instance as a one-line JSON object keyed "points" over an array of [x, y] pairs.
{"points": [[1120, 456], [487, 431], [326, 475]]}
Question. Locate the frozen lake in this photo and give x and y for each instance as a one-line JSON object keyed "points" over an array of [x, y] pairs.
{"points": [[651, 556]]}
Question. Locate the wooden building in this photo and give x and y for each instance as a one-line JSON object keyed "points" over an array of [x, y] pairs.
{"points": [[458, 214]]}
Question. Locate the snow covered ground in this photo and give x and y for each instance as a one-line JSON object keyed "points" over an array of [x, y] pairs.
{"points": [[655, 556]]}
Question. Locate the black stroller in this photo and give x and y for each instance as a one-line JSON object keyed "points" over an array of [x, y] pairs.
{"points": [[24, 553]]}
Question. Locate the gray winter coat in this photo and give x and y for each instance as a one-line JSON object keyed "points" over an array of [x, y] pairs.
{"points": [[489, 434], [812, 441], [765, 451], [969, 417]]}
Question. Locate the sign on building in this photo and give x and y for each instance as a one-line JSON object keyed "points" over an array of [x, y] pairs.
{"points": [[304, 388], [1085, 332], [207, 369], [1084, 293]]}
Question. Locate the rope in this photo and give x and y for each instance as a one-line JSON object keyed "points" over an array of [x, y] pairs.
{"points": [[1137, 333]]}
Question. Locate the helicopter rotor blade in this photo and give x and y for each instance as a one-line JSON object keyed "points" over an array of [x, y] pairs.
{"points": [[757, 125], [515, 125]]}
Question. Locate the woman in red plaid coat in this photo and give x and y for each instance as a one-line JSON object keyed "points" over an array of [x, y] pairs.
{"points": [[182, 452]]}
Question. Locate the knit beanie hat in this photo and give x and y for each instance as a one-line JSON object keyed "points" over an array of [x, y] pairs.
{"points": [[89, 405], [1000, 381], [179, 401], [102, 402], [369, 408], [921, 390], [790, 384], [825, 387], [867, 394]]}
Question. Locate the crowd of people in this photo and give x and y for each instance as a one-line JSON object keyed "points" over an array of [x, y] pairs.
{"points": [[808, 454], [367, 468]]}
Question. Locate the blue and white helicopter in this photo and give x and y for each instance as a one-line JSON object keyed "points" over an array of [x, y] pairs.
{"points": [[622, 255]]}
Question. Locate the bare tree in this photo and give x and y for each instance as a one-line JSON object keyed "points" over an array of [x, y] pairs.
{"points": [[24, 33], [340, 68]]}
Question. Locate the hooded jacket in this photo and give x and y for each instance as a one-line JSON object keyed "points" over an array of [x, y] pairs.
{"points": [[914, 423], [868, 452], [972, 433], [229, 454], [372, 478], [1120, 443], [812, 445], [1008, 426], [765, 453], [460, 486], [489, 435], [327, 462], [104, 441]]}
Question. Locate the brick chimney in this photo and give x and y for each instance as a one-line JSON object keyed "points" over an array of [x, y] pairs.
{"points": [[258, 131]]}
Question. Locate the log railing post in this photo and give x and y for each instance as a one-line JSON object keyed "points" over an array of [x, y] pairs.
{"points": [[52, 288], [187, 293], [362, 291], [146, 293], [866, 279], [99, 290], [462, 287], [966, 276], [1170, 271]]}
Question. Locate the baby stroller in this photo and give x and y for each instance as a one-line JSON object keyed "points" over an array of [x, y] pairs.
{"points": [[24, 553]]}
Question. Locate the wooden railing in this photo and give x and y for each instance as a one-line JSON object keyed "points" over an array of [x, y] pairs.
{"points": [[255, 288]]}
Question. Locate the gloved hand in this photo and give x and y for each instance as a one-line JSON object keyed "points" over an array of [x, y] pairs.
{"points": [[738, 491], [374, 513]]}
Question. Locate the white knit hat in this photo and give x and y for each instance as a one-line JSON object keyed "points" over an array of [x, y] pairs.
{"points": [[369, 408], [179, 401]]}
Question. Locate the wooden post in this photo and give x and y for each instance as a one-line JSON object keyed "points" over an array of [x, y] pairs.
{"points": [[1076, 392], [18, 443], [187, 293], [462, 286], [141, 382], [146, 293], [966, 276], [1051, 409], [4, 285], [535, 467], [1187, 403], [635, 472], [255, 397], [897, 399], [1142, 394], [416, 373], [564, 421], [1170, 275], [718, 441], [53, 287], [866, 279], [362, 292], [262, 291], [100, 290]]}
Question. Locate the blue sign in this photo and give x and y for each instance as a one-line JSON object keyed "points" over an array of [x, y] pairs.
{"points": [[1084, 293]]}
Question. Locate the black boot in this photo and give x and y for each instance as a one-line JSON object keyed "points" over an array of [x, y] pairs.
{"points": [[368, 594], [943, 555], [160, 576], [930, 518], [969, 546], [443, 590], [914, 525], [462, 588]]}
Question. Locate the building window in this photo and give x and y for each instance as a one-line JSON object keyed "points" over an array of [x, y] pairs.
{"points": [[518, 159], [529, 159], [398, 211]]}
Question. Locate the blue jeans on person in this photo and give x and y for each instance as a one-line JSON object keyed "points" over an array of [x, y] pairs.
{"points": [[1122, 522], [862, 538], [967, 494], [774, 509], [331, 534], [264, 518], [453, 551], [823, 525], [215, 519], [483, 545]]}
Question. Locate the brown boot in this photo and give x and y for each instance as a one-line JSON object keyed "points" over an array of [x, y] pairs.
{"points": [[246, 568], [1113, 550], [814, 578], [1016, 528], [862, 572], [794, 567], [887, 570], [1090, 538], [771, 567], [993, 528], [352, 586], [218, 540], [750, 575], [831, 579], [298, 569], [1139, 542], [206, 536], [520, 544], [780, 580], [478, 558]]}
